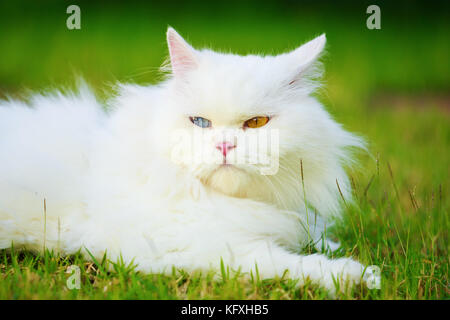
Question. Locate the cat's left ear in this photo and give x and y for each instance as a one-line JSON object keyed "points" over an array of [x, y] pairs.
{"points": [[183, 58], [302, 58], [308, 53]]}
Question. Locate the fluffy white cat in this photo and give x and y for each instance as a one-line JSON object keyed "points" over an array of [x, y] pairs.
{"points": [[128, 181]]}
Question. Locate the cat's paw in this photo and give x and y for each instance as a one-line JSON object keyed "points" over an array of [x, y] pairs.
{"points": [[345, 273], [338, 275], [372, 277]]}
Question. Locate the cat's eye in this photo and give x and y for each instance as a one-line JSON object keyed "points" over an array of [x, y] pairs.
{"points": [[256, 122], [200, 122]]}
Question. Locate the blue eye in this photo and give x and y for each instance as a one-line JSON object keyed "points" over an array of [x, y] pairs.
{"points": [[200, 122]]}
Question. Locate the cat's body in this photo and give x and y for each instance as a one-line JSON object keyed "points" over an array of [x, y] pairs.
{"points": [[111, 181]]}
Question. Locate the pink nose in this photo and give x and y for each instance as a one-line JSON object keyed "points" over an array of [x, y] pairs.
{"points": [[224, 147]]}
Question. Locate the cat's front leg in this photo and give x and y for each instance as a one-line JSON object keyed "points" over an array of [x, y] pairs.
{"points": [[272, 260]]}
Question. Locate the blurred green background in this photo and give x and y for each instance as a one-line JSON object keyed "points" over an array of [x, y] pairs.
{"points": [[390, 85]]}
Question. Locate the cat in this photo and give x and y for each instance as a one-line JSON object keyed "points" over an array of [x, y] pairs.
{"points": [[129, 180]]}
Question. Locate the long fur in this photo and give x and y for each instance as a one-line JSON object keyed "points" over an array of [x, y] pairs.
{"points": [[110, 184]]}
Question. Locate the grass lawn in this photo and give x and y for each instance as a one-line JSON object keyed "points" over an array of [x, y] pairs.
{"points": [[391, 86]]}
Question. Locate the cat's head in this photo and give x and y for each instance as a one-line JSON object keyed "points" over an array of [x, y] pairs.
{"points": [[243, 125]]}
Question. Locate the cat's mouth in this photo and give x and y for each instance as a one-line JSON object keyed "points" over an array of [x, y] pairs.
{"points": [[227, 178], [226, 166]]}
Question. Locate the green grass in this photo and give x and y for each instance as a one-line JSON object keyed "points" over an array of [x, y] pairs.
{"points": [[391, 86]]}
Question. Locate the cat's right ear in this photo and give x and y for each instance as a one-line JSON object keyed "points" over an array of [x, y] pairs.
{"points": [[183, 58]]}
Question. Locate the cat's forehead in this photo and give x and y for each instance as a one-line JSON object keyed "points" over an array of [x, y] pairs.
{"points": [[225, 111], [244, 67], [226, 107], [230, 88]]}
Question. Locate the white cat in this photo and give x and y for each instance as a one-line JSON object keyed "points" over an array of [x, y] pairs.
{"points": [[128, 181]]}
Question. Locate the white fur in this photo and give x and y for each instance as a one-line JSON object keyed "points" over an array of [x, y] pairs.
{"points": [[110, 184]]}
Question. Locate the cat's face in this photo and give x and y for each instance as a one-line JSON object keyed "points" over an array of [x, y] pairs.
{"points": [[241, 124]]}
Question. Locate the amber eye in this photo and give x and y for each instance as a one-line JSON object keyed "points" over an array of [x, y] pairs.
{"points": [[256, 122]]}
